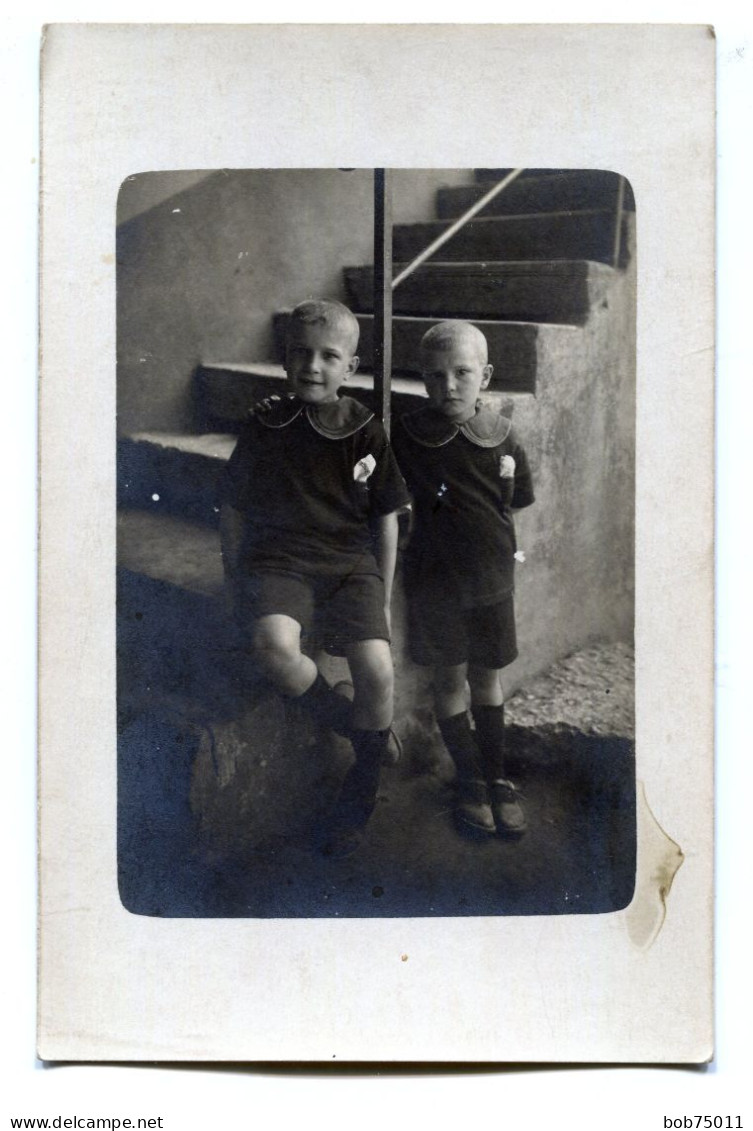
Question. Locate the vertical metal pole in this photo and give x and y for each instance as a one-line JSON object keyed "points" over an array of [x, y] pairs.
{"points": [[383, 293], [618, 222]]}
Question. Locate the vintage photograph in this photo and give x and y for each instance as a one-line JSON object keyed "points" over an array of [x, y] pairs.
{"points": [[376, 621], [375, 542]]}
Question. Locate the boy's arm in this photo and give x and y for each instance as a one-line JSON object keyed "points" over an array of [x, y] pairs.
{"points": [[523, 495], [386, 530]]}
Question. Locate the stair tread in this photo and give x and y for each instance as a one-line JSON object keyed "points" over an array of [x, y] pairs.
{"points": [[516, 218], [497, 174], [515, 341], [546, 292], [361, 379], [513, 266], [503, 324], [587, 234], [170, 549], [260, 368], [576, 188], [213, 445], [430, 320], [539, 175]]}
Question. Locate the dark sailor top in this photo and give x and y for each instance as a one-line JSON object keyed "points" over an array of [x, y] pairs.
{"points": [[465, 479], [309, 479]]}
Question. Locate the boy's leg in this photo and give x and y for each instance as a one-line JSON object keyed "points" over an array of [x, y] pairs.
{"points": [[373, 681], [487, 708], [277, 649], [439, 638], [373, 677], [472, 809]]}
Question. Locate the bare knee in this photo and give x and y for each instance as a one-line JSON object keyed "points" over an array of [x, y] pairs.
{"points": [[276, 646], [373, 682], [378, 683]]}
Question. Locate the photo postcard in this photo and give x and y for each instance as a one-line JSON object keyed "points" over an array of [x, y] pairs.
{"points": [[376, 591]]}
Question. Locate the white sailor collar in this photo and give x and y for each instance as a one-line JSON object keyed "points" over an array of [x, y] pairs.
{"points": [[335, 420], [486, 429]]}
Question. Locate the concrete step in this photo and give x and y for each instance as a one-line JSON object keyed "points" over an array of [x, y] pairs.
{"points": [[575, 190], [542, 235], [181, 554], [167, 473], [512, 346], [557, 290], [226, 392], [515, 342], [175, 640], [223, 393], [498, 174]]}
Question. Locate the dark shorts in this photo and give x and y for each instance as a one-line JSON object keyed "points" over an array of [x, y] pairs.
{"points": [[441, 634], [333, 612]]}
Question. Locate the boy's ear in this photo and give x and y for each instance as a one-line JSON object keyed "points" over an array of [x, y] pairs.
{"points": [[353, 365], [487, 375]]}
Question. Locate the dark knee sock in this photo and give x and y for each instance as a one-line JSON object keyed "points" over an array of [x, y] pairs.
{"points": [[458, 738], [327, 707], [490, 736], [358, 795]]}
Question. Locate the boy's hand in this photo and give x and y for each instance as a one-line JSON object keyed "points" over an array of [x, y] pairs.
{"points": [[261, 408], [388, 618], [507, 475]]}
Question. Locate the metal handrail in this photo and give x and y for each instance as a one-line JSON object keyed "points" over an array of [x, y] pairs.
{"points": [[440, 241]]}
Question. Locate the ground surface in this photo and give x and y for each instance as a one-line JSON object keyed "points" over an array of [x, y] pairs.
{"points": [[218, 820]]}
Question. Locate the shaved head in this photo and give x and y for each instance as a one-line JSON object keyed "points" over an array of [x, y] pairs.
{"points": [[447, 335], [327, 312]]}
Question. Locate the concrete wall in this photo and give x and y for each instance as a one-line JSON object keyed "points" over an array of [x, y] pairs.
{"points": [[143, 191], [205, 260], [577, 583]]}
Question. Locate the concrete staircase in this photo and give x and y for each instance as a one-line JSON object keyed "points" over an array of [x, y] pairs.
{"points": [[531, 271]]}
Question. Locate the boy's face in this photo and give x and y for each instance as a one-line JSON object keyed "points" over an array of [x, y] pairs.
{"points": [[454, 376], [318, 359]]}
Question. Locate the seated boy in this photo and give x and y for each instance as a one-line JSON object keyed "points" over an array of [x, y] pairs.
{"points": [[466, 471], [308, 526]]}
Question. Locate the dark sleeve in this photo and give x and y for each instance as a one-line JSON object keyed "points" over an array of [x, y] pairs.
{"points": [[523, 494], [233, 484], [398, 445], [387, 490]]}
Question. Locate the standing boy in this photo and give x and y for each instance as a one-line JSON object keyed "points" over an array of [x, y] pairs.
{"points": [[308, 527], [466, 472]]}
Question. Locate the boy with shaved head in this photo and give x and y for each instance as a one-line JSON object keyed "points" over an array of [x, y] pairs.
{"points": [[466, 472], [308, 527]]}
